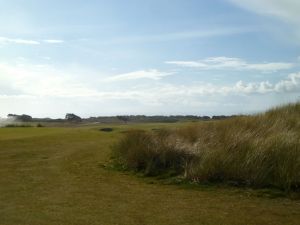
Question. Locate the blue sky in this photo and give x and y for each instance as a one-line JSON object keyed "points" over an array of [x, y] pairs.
{"points": [[148, 57]]}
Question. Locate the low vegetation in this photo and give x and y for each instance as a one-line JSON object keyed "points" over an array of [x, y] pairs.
{"points": [[62, 175], [12, 125], [17, 125], [106, 129], [259, 151]]}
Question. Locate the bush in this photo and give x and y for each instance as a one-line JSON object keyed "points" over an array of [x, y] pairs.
{"points": [[106, 129], [17, 125], [150, 152], [258, 151]]}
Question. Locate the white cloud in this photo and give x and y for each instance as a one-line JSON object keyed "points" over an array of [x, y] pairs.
{"points": [[193, 64], [31, 88], [54, 41], [291, 84], [20, 41], [220, 63], [34, 80], [41, 80], [5, 40], [165, 94], [286, 10], [142, 74], [194, 34], [31, 81]]}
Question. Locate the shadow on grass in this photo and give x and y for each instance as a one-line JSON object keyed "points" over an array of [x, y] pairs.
{"points": [[231, 188]]}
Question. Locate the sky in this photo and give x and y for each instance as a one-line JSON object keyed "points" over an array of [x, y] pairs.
{"points": [[150, 57]]}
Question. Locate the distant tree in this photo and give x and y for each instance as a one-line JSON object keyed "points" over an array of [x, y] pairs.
{"points": [[205, 118], [125, 119], [219, 117], [72, 117], [21, 118]]}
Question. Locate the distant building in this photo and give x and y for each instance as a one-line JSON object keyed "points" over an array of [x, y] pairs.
{"points": [[72, 117]]}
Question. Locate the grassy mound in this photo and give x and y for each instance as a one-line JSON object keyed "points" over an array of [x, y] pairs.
{"points": [[259, 151]]}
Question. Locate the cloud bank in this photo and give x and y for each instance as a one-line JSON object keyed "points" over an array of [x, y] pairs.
{"points": [[32, 80], [5, 40], [20, 41], [183, 35], [152, 74], [45, 90], [285, 10], [227, 63]]}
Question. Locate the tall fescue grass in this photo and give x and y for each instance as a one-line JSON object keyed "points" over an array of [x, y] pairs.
{"points": [[259, 151]]}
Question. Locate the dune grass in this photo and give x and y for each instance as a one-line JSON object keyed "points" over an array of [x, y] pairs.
{"points": [[258, 151]]}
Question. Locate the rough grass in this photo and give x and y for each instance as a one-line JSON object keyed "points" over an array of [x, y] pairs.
{"points": [[57, 176], [258, 151]]}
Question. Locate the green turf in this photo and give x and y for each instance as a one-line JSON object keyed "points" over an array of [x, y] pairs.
{"points": [[55, 176]]}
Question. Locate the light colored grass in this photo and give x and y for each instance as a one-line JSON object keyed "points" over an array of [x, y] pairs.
{"points": [[55, 176], [259, 151]]}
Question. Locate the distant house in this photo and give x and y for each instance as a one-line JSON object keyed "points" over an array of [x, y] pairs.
{"points": [[72, 117]]}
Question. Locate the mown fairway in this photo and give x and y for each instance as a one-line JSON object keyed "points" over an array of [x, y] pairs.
{"points": [[56, 176]]}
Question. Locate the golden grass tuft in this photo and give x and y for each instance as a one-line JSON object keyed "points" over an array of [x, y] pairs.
{"points": [[261, 150]]}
